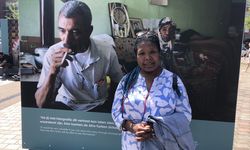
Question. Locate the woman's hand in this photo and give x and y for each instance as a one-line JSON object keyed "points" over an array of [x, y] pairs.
{"points": [[143, 131]]}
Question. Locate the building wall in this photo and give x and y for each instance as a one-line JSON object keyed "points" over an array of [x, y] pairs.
{"points": [[210, 18], [207, 17], [29, 16]]}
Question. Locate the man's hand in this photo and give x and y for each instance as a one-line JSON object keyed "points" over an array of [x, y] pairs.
{"points": [[44, 93], [58, 59]]}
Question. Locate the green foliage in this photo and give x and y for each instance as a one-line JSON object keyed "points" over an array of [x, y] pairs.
{"points": [[247, 22], [13, 9]]}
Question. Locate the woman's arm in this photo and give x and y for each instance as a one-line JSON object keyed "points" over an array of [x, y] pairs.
{"points": [[142, 131], [116, 111]]}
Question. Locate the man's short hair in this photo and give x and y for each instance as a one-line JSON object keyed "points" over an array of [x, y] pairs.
{"points": [[74, 8]]}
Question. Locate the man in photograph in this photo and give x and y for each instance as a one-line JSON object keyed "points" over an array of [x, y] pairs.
{"points": [[75, 70], [166, 34], [5, 63]]}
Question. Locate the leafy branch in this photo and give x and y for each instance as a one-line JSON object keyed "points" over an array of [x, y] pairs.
{"points": [[13, 9]]}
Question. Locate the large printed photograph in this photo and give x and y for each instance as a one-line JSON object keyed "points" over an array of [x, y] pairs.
{"points": [[206, 58], [81, 75]]}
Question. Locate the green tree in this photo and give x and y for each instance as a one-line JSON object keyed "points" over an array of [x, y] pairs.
{"points": [[247, 23], [13, 9]]}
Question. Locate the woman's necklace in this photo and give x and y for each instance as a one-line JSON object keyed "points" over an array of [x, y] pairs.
{"points": [[144, 102], [149, 76], [149, 86]]}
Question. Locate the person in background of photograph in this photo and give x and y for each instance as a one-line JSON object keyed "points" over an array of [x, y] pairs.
{"points": [[75, 70], [5, 63], [166, 34], [146, 103], [247, 55], [15, 54], [248, 61], [5, 60]]}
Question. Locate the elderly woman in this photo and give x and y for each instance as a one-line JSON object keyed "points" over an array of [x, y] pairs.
{"points": [[147, 108]]}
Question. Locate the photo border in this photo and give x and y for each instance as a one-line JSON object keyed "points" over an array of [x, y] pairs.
{"points": [[135, 20]]}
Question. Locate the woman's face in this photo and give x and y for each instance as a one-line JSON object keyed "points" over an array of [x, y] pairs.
{"points": [[148, 57]]}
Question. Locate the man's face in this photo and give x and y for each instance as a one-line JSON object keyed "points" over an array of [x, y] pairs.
{"points": [[73, 33], [164, 31]]}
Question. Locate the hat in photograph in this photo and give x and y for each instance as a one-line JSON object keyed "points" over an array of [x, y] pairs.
{"points": [[165, 21]]}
